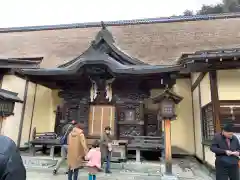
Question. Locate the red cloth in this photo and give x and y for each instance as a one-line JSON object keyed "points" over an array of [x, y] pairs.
{"points": [[228, 142]]}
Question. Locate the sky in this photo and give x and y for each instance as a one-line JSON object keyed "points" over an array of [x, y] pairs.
{"points": [[15, 13]]}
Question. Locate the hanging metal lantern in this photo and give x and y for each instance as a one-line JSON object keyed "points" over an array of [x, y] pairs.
{"points": [[167, 101], [7, 102]]}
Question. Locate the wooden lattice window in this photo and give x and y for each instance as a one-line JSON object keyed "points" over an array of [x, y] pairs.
{"points": [[208, 129], [229, 113]]}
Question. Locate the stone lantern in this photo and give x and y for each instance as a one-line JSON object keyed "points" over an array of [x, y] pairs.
{"points": [[167, 101]]}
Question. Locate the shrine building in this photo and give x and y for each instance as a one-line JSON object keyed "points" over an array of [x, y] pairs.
{"points": [[106, 74]]}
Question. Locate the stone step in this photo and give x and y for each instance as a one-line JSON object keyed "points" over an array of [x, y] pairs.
{"points": [[38, 162], [186, 169]]}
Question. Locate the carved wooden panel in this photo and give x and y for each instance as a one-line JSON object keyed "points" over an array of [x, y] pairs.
{"points": [[152, 130], [153, 126], [130, 113], [127, 110], [75, 107], [133, 96], [130, 130]]}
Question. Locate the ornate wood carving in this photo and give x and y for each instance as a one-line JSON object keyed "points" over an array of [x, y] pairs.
{"points": [[153, 126], [75, 107], [130, 130], [134, 96], [130, 113], [124, 109]]}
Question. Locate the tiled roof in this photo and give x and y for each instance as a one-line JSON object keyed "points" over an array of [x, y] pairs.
{"points": [[123, 22], [156, 41]]}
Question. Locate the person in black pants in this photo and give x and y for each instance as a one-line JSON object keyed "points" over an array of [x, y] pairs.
{"points": [[226, 147]]}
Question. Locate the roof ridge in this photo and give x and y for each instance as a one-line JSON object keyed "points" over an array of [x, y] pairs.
{"points": [[170, 19]]}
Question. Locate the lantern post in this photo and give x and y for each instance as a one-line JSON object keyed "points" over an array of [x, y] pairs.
{"points": [[167, 101]]}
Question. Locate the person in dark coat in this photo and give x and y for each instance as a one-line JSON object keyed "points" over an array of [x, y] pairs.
{"points": [[226, 147], [106, 148], [11, 164]]}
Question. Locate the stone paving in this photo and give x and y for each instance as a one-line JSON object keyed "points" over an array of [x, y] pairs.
{"points": [[185, 169]]}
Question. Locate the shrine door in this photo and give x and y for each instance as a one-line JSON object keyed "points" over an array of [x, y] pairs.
{"points": [[101, 116]]}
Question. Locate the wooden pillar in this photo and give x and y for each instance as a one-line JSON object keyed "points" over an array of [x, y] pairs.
{"points": [[32, 114], [168, 146], [22, 114], [215, 100]]}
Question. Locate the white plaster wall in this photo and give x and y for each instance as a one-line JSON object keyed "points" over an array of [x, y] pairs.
{"points": [[228, 84], [43, 116], [10, 126], [182, 127], [28, 114], [209, 156], [197, 124], [205, 90]]}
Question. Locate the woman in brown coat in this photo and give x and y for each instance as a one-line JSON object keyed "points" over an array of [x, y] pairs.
{"points": [[77, 149]]}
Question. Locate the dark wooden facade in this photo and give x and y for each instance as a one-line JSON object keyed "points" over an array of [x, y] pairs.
{"points": [[104, 86]]}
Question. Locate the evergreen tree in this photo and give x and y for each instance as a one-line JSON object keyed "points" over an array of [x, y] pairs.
{"points": [[227, 6]]}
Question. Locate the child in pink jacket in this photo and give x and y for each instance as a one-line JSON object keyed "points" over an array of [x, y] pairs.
{"points": [[94, 161]]}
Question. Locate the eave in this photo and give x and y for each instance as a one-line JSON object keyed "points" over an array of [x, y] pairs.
{"points": [[211, 60], [9, 96], [138, 70], [15, 63]]}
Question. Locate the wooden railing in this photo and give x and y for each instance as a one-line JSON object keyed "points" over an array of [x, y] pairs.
{"points": [[44, 138], [145, 142]]}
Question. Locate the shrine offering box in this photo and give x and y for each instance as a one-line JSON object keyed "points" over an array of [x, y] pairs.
{"points": [[119, 150]]}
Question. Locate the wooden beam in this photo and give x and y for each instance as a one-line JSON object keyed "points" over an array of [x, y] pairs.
{"points": [[215, 100], [193, 115], [198, 80], [32, 114], [202, 124], [22, 114]]}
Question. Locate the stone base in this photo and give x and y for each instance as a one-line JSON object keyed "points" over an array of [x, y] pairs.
{"points": [[169, 177], [38, 162]]}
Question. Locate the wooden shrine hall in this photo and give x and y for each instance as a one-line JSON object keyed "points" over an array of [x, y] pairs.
{"points": [[106, 87], [110, 76]]}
